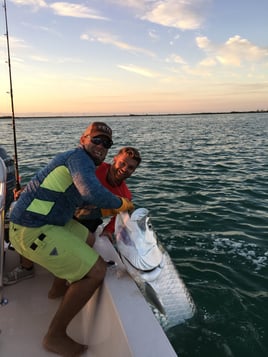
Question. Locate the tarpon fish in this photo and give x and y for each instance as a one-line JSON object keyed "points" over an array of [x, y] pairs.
{"points": [[151, 267]]}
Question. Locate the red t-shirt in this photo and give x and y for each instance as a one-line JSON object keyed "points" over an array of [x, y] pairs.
{"points": [[122, 190]]}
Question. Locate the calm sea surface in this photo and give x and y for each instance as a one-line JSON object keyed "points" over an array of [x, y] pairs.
{"points": [[204, 179]]}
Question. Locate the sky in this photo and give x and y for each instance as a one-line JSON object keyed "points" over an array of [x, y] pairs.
{"points": [[99, 57]]}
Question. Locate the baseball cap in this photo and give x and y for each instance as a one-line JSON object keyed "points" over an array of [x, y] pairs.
{"points": [[98, 128]]}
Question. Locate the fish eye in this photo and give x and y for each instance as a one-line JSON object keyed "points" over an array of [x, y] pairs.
{"points": [[149, 224]]}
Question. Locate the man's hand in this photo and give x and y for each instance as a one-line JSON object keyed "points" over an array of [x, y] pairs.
{"points": [[126, 205]]}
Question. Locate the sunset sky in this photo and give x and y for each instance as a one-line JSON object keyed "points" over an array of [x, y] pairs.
{"points": [[134, 56]]}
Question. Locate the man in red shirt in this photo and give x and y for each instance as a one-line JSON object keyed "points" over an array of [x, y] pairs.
{"points": [[112, 176]]}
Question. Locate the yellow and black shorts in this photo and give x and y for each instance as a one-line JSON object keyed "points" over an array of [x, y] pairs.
{"points": [[60, 249]]}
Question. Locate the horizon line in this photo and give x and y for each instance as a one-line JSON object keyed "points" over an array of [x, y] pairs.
{"points": [[129, 114]]}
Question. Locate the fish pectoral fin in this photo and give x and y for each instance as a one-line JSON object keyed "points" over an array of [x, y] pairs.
{"points": [[153, 299]]}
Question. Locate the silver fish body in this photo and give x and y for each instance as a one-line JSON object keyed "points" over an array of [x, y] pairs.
{"points": [[152, 269]]}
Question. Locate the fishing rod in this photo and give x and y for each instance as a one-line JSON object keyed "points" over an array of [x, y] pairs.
{"points": [[12, 103]]}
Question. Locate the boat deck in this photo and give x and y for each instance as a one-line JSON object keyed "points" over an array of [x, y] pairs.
{"points": [[117, 321]]}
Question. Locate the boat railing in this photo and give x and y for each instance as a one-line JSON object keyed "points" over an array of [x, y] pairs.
{"points": [[3, 177]]}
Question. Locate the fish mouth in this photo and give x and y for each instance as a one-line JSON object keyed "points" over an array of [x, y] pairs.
{"points": [[139, 269], [140, 261]]}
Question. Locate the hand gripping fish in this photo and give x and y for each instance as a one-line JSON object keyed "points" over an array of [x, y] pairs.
{"points": [[152, 269]]}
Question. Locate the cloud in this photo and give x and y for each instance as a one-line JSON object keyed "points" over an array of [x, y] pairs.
{"points": [[35, 4], [134, 4], [112, 40], [208, 62], [37, 58], [55, 60], [181, 14], [14, 42], [62, 8], [203, 42], [75, 10], [173, 58], [153, 35], [42, 28], [185, 15], [234, 52], [145, 72]]}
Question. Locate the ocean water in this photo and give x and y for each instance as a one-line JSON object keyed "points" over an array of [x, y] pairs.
{"points": [[204, 179]]}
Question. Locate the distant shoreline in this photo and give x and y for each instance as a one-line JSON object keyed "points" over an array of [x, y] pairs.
{"points": [[129, 115]]}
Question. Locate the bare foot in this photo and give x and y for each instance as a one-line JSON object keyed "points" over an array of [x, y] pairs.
{"points": [[64, 346], [58, 288]]}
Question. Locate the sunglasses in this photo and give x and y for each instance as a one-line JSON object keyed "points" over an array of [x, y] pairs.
{"points": [[97, 140]]}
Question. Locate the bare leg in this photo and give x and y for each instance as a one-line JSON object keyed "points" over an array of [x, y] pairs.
{"points": [[26, 263], [90, 239], [58, 288], [77, 295]]}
